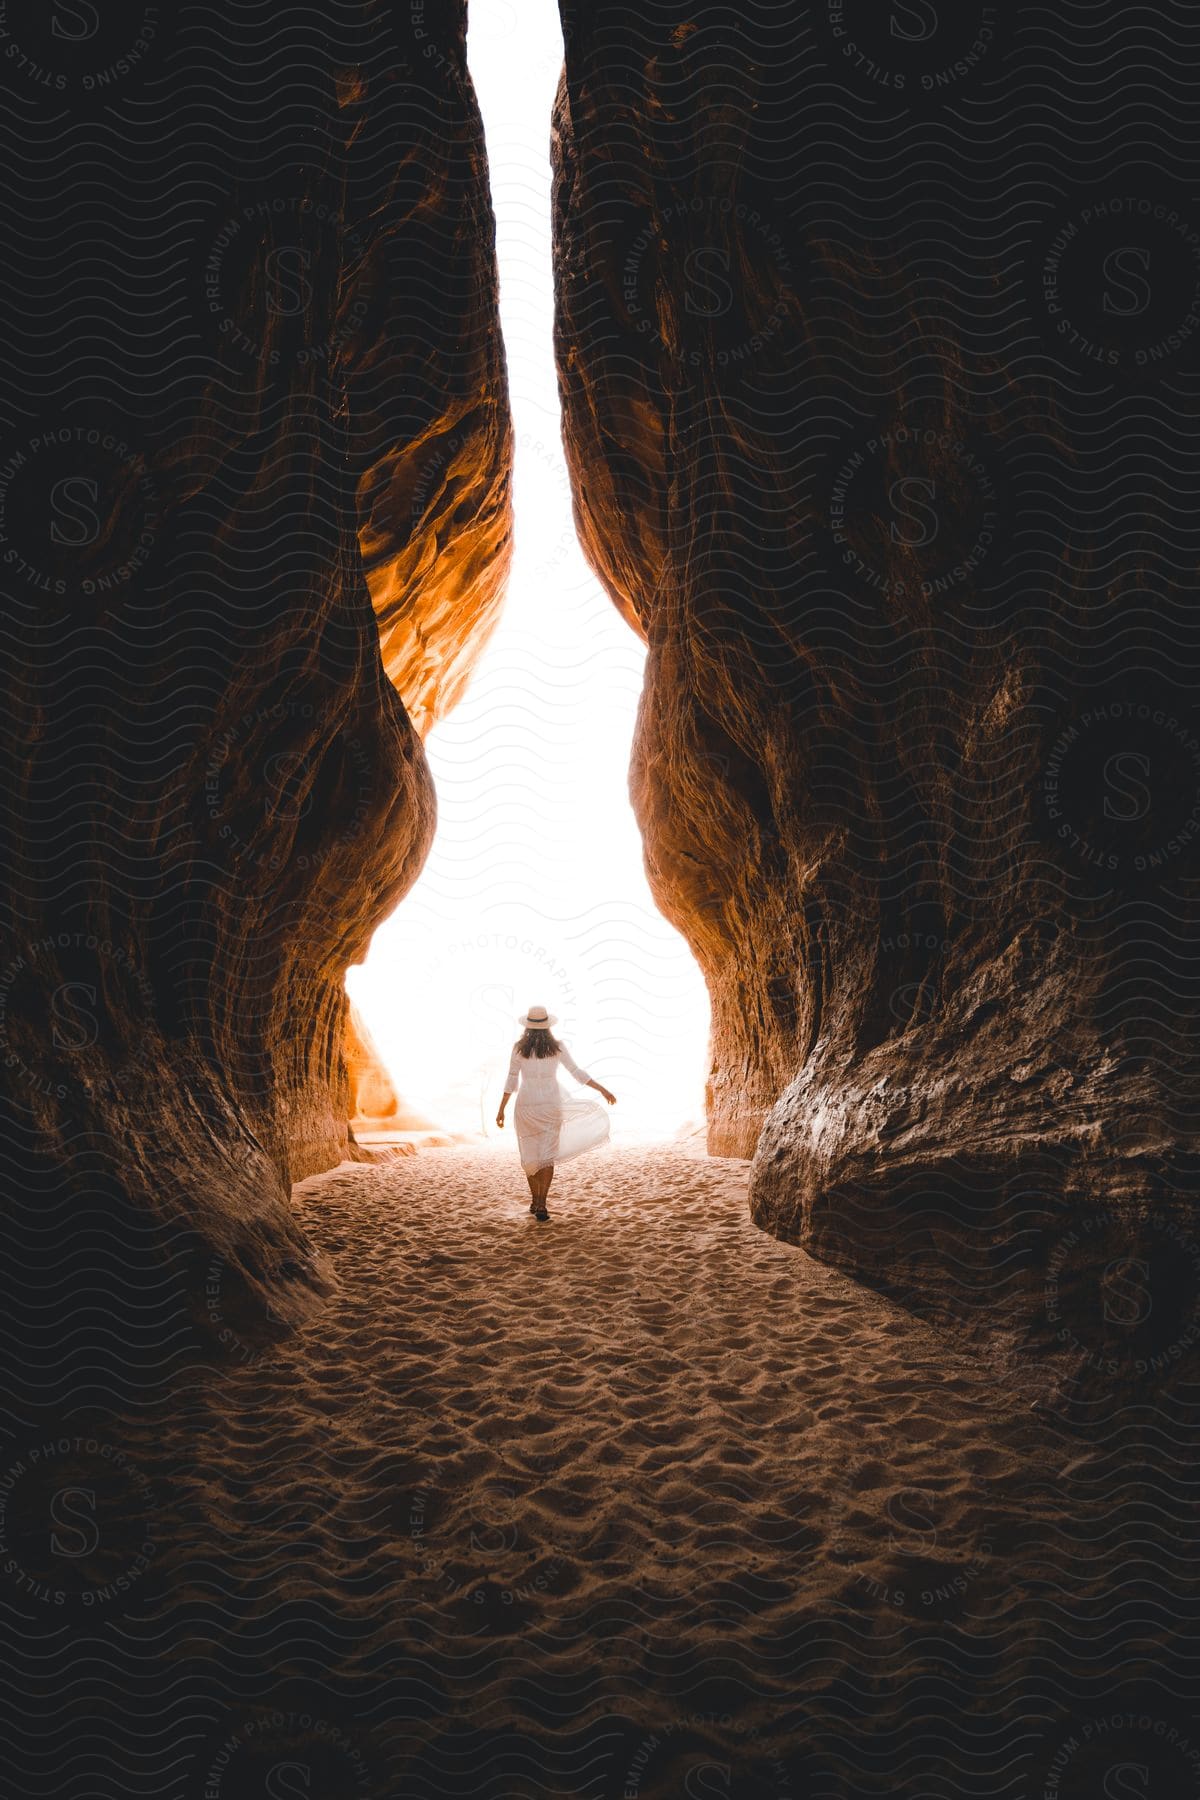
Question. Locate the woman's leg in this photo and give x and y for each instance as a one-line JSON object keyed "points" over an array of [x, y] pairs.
{"points": [[542, 1179], [538, 1181]]}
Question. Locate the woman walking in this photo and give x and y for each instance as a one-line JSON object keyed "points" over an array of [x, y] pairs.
{"points": [[551, 1126]]}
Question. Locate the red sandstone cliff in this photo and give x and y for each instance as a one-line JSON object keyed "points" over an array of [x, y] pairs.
{"points": [[288, 399], [910, 565]]}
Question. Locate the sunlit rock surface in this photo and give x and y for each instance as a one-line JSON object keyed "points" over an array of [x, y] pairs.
{"points": [[282, 254], [375, 1105], [373, 1098], [888, 472]]}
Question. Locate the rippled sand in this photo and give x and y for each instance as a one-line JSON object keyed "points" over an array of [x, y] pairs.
{"points": [[635, 1503]]}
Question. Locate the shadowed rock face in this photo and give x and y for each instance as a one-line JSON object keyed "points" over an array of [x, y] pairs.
{"points": [[287, 399], [869, 446]]}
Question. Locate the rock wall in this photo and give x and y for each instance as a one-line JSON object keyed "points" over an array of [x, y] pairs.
{"points": [[254, 380], [374, 1103], [879, 376]]}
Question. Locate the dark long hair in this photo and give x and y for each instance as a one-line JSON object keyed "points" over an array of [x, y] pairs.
{"points": [[539, 1041]]}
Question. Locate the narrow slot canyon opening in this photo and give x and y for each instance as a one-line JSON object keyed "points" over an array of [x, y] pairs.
{"points": [[847, 1456], [534, 890]]}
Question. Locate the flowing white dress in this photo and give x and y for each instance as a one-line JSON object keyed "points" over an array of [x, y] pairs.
{"points": [[552, 1125]]}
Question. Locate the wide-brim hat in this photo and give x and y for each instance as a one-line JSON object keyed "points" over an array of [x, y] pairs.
{"points": [[537, 1017]]}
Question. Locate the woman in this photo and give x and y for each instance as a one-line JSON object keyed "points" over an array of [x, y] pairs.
{"points": [[551, 1125]]}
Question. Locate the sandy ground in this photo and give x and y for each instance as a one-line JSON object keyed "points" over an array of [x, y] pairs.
{"points": [[635, 1503]]}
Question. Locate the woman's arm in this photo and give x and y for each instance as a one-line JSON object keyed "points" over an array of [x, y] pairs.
{"points": [[510, 1087], [582, 1074]]}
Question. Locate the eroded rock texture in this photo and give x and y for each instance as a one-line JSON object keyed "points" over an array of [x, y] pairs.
{"points": [[879, 379], [274, 232]]}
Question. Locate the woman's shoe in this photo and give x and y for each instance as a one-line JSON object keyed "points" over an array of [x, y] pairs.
{"points": [[541, 1214]]}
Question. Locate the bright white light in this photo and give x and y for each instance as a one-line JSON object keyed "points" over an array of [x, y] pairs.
{"points": [[534, 890]]}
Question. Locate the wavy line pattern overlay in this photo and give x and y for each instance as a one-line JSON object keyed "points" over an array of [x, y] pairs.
{"points": [[875, 328]]}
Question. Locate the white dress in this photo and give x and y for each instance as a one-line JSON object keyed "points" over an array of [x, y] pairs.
{"points": [[552, 1125]]}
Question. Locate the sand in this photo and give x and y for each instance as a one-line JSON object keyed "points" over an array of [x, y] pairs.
{"points": [[634, 1503]]}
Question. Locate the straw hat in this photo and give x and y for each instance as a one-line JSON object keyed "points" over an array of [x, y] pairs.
{"points": [[538, 1019]]}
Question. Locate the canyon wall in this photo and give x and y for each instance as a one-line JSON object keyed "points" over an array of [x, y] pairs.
{"points": [[254, 384], [879, 373], [374, 1104]]}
